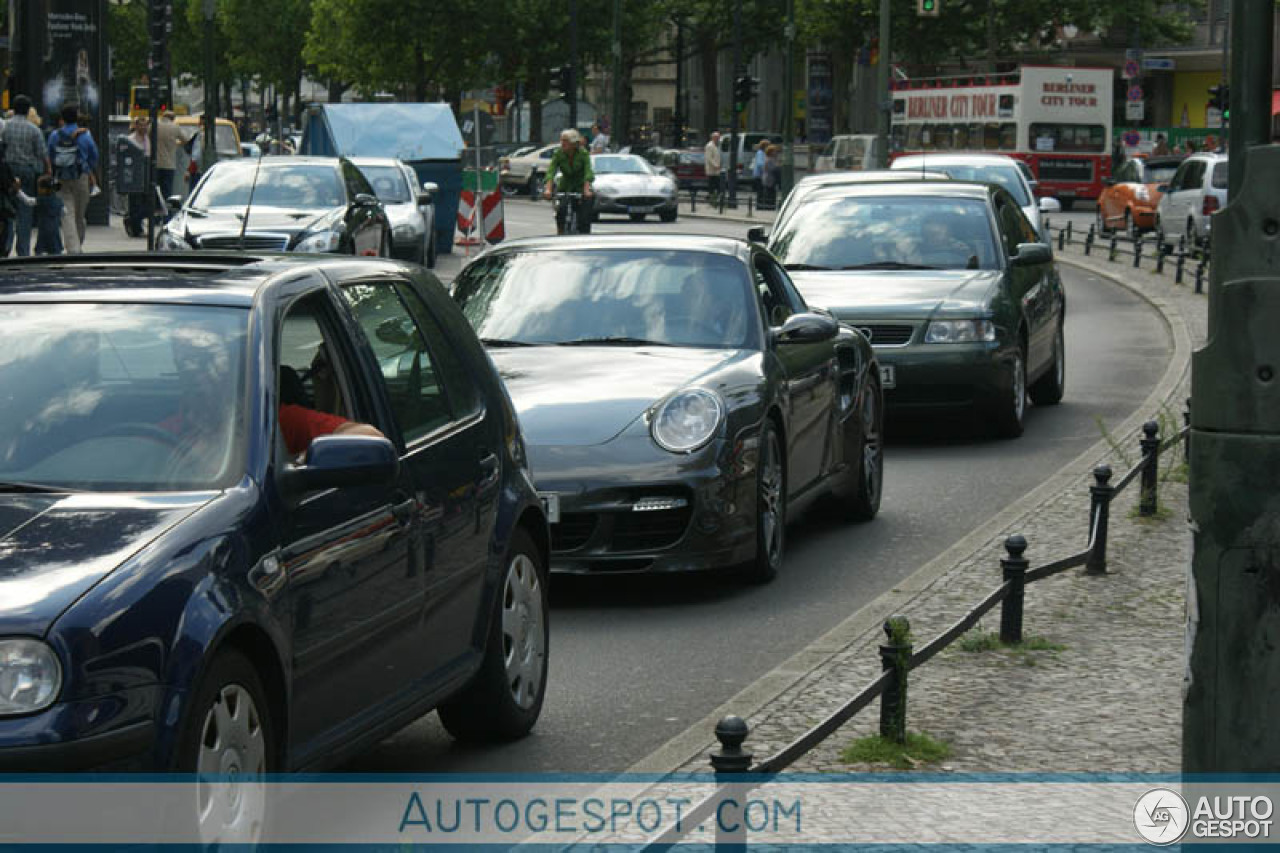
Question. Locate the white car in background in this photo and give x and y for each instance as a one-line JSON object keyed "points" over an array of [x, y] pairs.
{"points": [[1004, 172], [1195, 192], [410, 208], [525, 172]]}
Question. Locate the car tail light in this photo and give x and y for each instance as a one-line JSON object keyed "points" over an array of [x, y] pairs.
{"points": [[1210, 205]]}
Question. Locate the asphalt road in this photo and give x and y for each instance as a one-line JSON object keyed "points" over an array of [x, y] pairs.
{"points": [[635, 661]]}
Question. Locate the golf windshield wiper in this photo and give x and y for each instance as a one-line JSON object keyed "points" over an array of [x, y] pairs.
{"points": [[505, 342], [805, 267], [15, 487], [888, 265], [620, 340]]}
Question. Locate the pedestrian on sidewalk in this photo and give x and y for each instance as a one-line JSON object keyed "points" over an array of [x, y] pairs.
{"points": [[169, 139], [772, 176], [51, 214], [140, 136], [26, 156], [711, 165], [74, 156]]}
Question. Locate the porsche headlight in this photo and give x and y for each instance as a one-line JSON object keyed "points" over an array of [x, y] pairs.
{"points": [[959, 331], [687, 420], [171, 241], [30, 676], [319, 241]]}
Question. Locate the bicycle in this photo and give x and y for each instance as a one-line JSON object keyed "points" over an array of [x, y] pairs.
{"points": [[574, 202]]}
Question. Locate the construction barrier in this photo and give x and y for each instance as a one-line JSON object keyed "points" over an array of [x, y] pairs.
{"points": [[491, 216]]}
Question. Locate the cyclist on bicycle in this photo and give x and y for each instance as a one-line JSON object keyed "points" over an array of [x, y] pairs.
{"points": [[574, 165]]}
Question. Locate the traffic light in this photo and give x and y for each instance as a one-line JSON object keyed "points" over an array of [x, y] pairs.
{"points": [[927, 8], [160, 22], [1220, 100], [744, 90], [561, 79]]}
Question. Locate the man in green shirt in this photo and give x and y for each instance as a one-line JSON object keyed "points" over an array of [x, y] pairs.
{"points": [[573, 163]]}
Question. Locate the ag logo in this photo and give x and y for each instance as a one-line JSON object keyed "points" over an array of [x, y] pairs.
{"points": [[1160, 816]]}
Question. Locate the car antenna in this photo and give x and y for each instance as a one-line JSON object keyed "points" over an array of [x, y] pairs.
{"points": [[244, 222]]}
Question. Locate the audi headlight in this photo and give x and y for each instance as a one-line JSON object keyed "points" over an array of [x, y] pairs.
{"points": [[959, 331], [687, 421], [319, 241], [171, 241], [30, 676]]}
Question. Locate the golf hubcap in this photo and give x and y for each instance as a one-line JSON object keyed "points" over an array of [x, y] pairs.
{"points": [[231, 800], [523, 632]]}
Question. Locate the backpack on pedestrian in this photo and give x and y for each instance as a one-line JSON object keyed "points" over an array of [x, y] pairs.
{"points": [[67, 160]]}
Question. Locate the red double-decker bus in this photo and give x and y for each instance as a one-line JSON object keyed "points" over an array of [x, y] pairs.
{"points": [[1055, 119]]}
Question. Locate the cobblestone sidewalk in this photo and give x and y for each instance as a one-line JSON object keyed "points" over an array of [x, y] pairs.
{"points": [[1107, 698]]}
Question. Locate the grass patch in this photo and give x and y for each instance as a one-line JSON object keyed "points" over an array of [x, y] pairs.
{"points": [[1163, 513], [978, 640], [1180, 473], [920, 749]]}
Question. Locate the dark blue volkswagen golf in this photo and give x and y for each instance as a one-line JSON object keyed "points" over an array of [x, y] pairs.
{"points": [[256, 513]]}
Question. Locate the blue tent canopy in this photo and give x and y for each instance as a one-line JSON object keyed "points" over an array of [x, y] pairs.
{"points": [[408, 131]]}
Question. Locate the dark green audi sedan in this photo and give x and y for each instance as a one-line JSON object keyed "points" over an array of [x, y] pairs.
{"points": [[961, 301]]}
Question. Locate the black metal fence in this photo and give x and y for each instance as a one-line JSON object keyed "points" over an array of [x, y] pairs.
{"points": [[735, 766], [1119, 247]]}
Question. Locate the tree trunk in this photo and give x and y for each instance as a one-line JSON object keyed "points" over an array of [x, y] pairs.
{"points": [[708, 54], [419, 75], [535, 116], [336, 90]]}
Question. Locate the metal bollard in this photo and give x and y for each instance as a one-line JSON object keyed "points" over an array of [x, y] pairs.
{"points": [[1159, 260], [1068, 231], [1186, 442], [1111, 253], [693, 201], [895, 657], [1090, 235], [1088, 242], [1100, 495], [1200, 277], [1177, 272], [1014, 570], [730, 760], [1150, 445], [751, 199], [1062, 240], [1137, 254]]}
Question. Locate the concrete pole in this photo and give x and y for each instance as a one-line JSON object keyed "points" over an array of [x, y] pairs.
{"points": [[617, 72], [789, 107]]}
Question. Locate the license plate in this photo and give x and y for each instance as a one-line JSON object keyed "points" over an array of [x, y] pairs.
{"points": [[639, 208], [551, 506], [887, 379]]}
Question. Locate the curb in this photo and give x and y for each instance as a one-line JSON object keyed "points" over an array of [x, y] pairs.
{"points": [[684, 747]]}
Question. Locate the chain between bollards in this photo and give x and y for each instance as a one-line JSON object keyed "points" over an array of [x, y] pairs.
{"points": [[1014, 570], [1100, 494], [895, 658]]}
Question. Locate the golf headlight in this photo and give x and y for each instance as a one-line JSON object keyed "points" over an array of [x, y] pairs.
{"points": [[319, 241], [687, 421], [30, 676], [171, 241], [959, 331]]}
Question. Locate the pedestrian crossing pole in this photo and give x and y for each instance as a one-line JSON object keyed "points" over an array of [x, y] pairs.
{"points": [[1233, 601]]}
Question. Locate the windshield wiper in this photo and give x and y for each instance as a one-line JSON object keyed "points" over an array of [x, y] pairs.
{"points": [[620, 340], [15, 487], [504, 342], [806, 267], [888, 265]]}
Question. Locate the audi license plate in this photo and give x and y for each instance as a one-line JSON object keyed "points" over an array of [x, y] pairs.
{"points": [[887, 379], [551, 506]]}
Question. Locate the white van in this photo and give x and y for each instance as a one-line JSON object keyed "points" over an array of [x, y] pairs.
{"points": [[852, 152]]}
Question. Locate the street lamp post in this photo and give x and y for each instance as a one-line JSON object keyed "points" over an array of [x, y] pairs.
{"points": [[210, 153]]}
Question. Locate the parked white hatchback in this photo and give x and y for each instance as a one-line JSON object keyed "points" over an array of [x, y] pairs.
{"points": [[1197, 190]]}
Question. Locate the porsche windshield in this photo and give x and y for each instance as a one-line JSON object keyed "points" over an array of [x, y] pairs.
{"points": [[609, 296], [295, 185], [111, 397], [905, 232]]}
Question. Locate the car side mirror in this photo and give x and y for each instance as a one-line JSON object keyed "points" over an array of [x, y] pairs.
{"points": [[430, 187], [337, 461], [174, 202], [1049, 204], [1030, 254], [807, 328], [365, 200], [755, 234]]}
